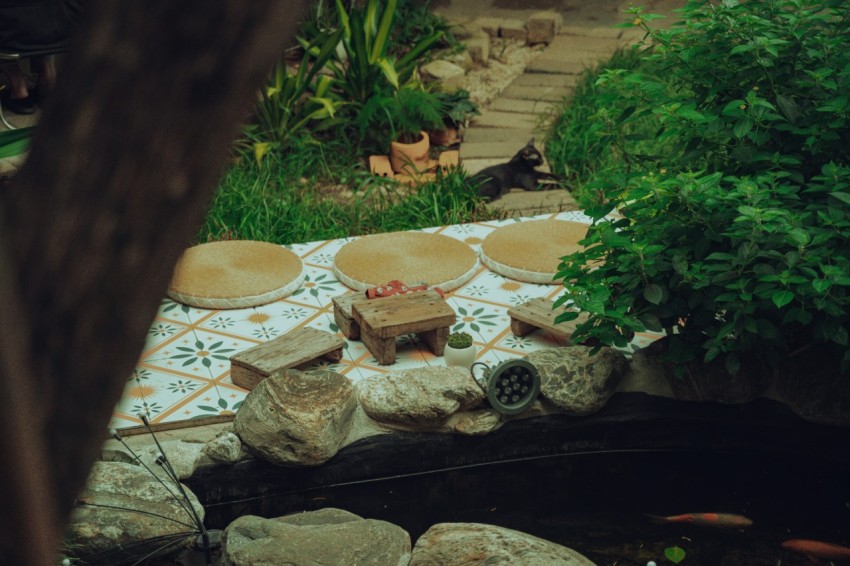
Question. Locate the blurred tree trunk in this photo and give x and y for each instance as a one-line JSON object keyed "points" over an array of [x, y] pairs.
{"points": [[150, 97]]}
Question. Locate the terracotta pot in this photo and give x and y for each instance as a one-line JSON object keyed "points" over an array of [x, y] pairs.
{"points": [[411, 158], [460, 357]]}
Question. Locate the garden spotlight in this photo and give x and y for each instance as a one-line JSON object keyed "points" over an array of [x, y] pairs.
{"points": [[511, 387]]}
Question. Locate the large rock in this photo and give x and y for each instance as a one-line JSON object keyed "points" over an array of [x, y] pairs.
{"points": [[123, 505], [576, 382], [226, 448], [297, 418], [457, 544], [812, 384], [184, 457], [328, 536], [442, 70], [421, 397]]}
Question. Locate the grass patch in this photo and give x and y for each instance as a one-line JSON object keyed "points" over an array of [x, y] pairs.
{"points": [[296, 197]]}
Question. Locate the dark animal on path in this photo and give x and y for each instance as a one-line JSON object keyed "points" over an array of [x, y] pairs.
{"points": [[518, 173]]}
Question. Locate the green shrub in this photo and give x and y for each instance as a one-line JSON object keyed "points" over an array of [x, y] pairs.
{"points": [[362, 64], [292, 101], [732, 240]]}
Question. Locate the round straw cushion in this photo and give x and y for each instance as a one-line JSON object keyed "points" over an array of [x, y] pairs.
{"points": [[531, 251], [411, 257], [235, 274]]}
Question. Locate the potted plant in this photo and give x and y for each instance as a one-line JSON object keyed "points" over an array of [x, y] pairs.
{"points": [[402, 118], [460, 351], [457, 110]]}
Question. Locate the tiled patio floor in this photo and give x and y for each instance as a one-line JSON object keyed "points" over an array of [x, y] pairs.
{"points": [[184, 370]]}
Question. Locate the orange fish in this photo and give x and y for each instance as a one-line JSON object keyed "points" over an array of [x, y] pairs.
{"points": [[722, 520], [814, 549]]}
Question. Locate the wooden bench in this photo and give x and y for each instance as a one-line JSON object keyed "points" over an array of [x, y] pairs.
{"points": [[538, 313], [250, 367], [424, 313]]}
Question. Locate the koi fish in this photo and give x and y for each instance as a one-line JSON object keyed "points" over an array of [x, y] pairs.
{"points": [[721, 520], [815, 550]]}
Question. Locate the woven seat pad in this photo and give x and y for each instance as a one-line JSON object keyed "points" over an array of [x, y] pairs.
{"points": [[235, 274], [411, 257], [531, 251]]}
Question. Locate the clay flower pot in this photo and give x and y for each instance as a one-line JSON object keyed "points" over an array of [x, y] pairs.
{"points": [[411, 158]]}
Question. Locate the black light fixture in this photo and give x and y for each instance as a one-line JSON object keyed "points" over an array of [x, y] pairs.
{"points": [[511, 387]]}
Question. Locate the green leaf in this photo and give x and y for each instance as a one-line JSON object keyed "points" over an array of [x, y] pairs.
{"points": [[674, 554], [782, 298], [222, 403], [653, 293], [733, 363], [843, 197], [742, 128]]}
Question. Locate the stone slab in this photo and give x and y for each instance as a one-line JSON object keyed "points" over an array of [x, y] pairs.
{"points": [[478, 47], [503, 150], [543, 27], [513, 29], [550, 94], [601, 32], [521, 106], [538, 80], [496, 119], [553, 65], [518, 135], [519, 203], [565, 45], [473, 166]]}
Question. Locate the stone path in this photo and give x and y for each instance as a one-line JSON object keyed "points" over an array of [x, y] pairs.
{"points": [[524, 108]]}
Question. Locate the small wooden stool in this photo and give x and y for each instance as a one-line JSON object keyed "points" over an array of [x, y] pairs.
{"points": [[250, 367], [344, 318], [424, 313], [538, 313]]}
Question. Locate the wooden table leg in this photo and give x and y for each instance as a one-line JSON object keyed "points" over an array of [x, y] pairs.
{"points": [[334, 355], [435, 339], [382, 348], [520, 328]]}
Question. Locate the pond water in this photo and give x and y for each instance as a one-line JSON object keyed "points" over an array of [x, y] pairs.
{"points": [[586, 483]]}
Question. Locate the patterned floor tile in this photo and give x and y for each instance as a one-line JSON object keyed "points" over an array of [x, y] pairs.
{"points": [[153, 392], [184, 370]]}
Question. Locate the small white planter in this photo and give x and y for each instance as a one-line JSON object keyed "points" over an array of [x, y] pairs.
{"points": [[463, 357]]}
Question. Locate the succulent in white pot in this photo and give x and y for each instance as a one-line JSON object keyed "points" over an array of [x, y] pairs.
{"points": [[460, 351]]}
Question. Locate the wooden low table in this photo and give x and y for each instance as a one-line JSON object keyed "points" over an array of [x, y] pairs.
{"points": [[538, 313], [250, 367], [424, 313], [344, 317]]}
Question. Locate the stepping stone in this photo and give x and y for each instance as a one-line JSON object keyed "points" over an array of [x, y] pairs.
{"points": [[519, 203], [250, 367], [538, 80], [496, 119], [517, 135], [498, 150], [600, 32], [473, 166], [560, 65], [548, 94], [565, 45], [522, 106]]}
